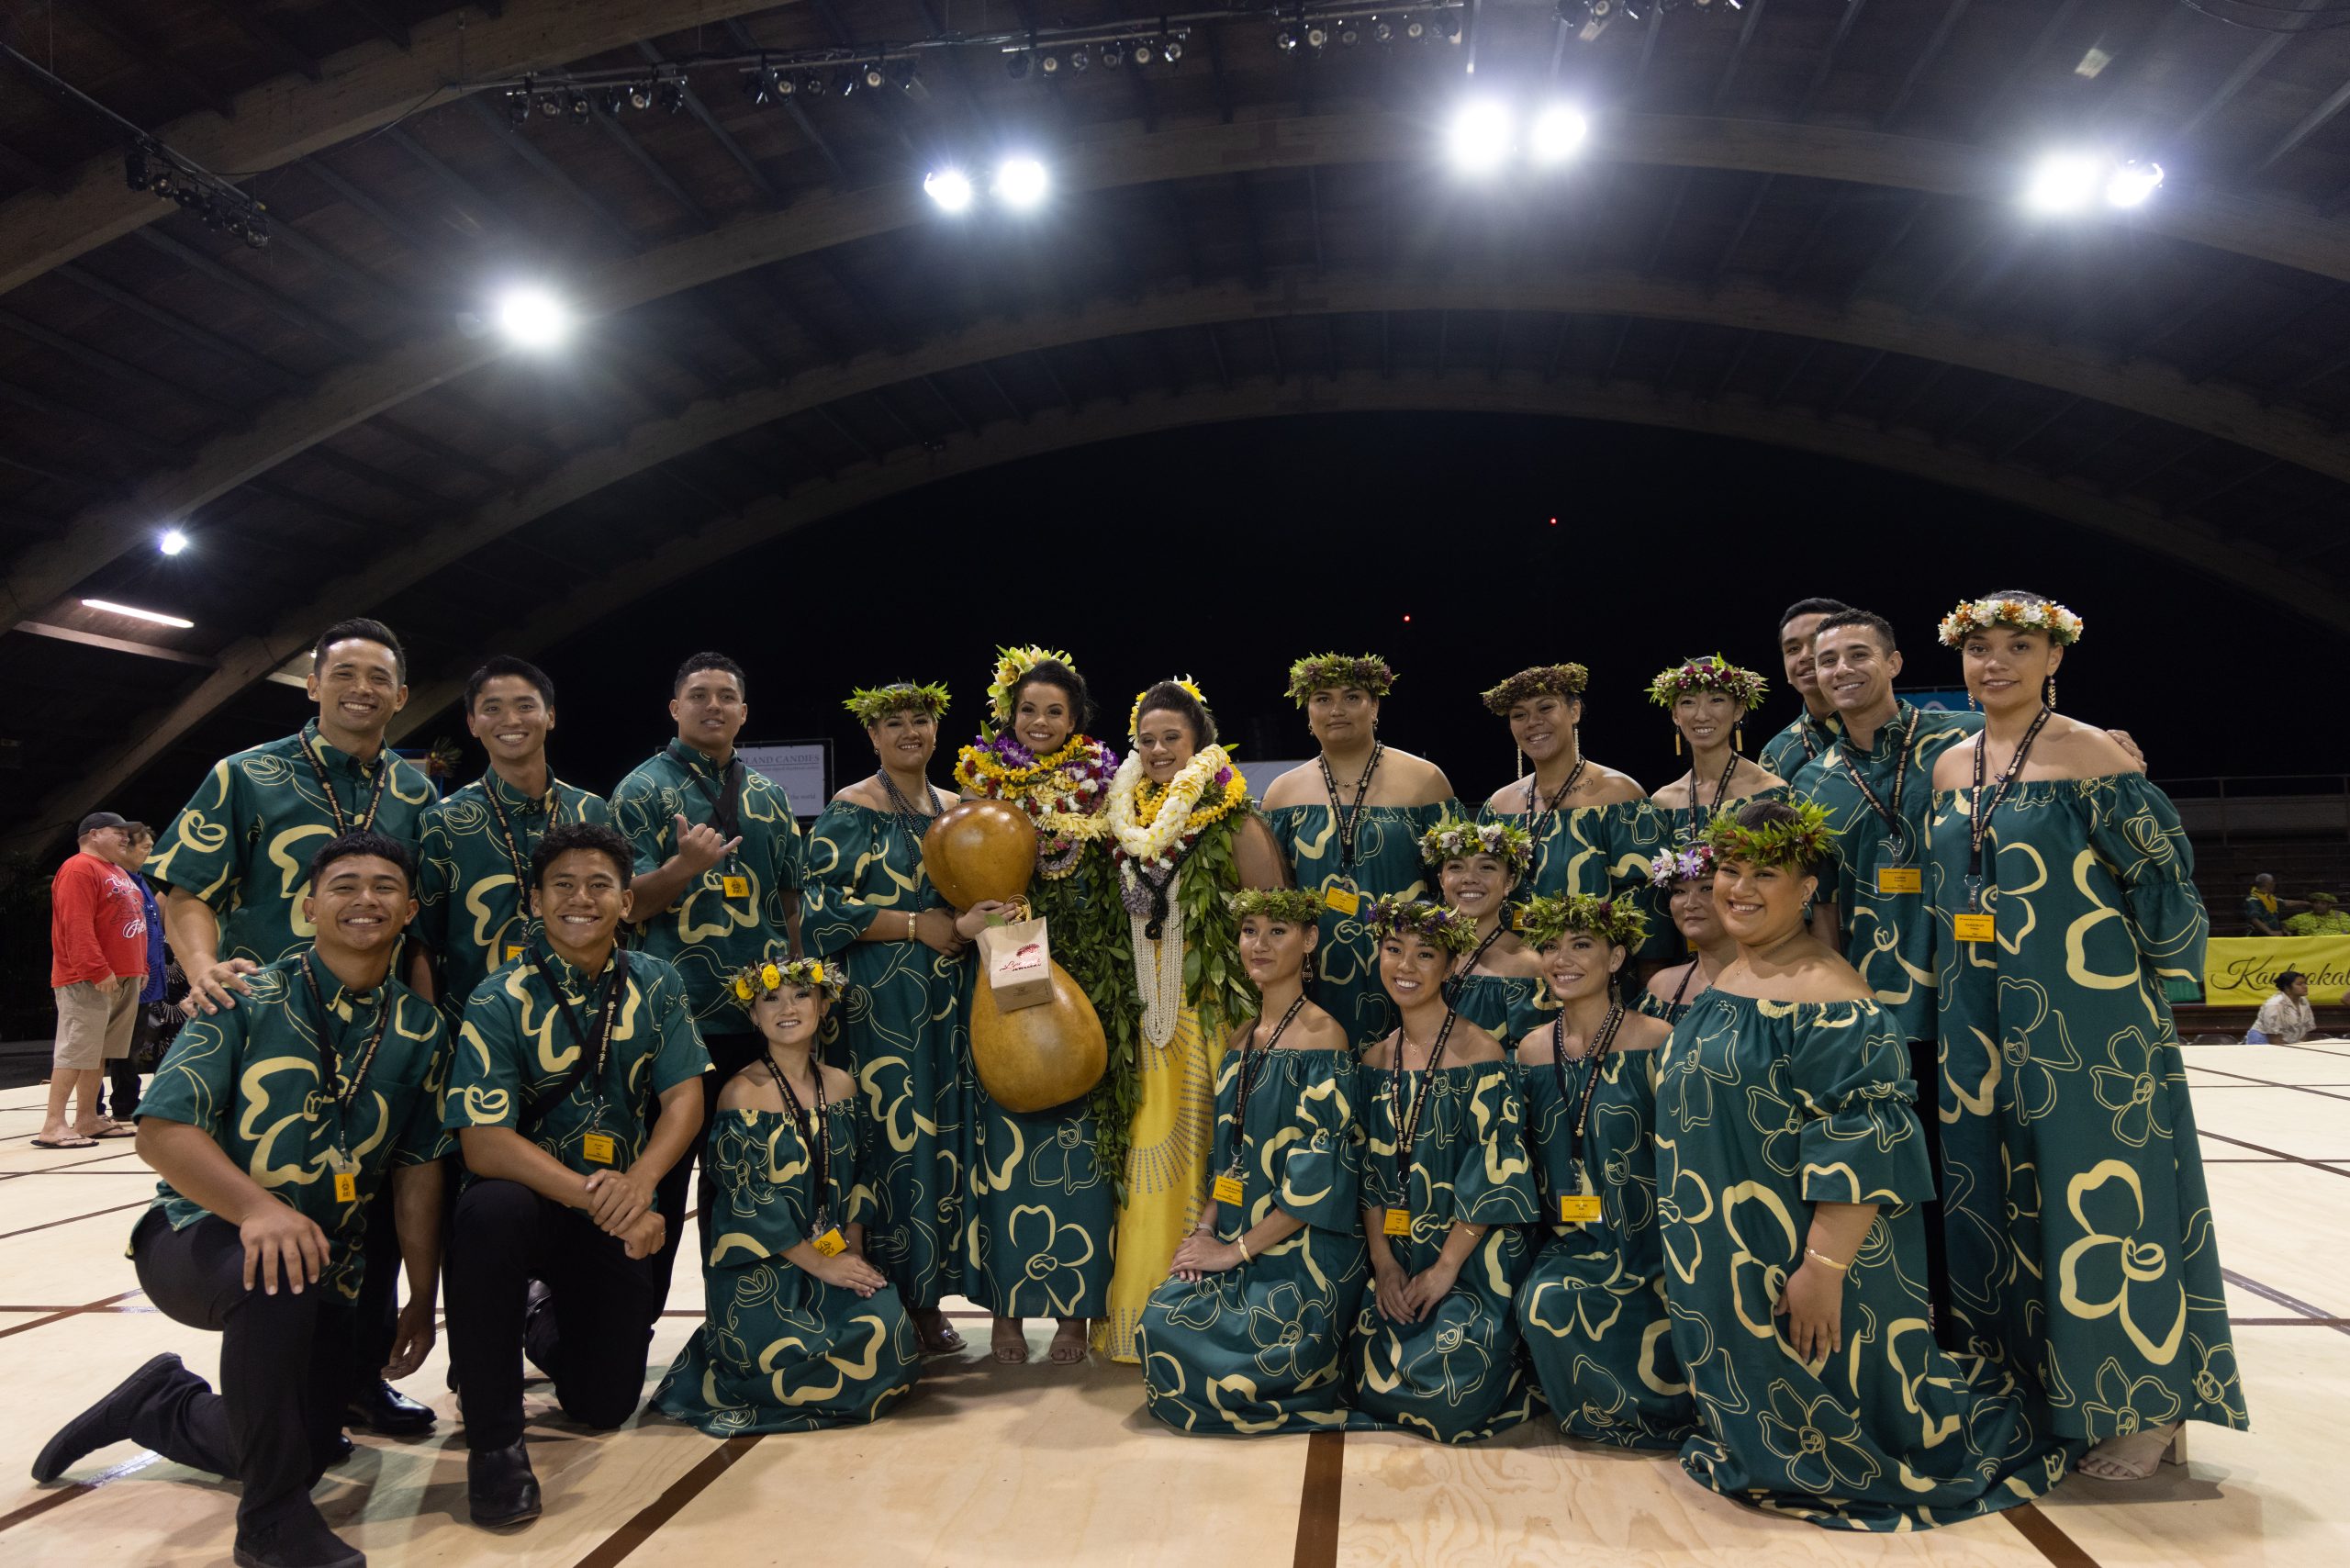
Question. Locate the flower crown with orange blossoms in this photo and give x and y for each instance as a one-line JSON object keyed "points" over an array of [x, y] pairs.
{"points": [[1712, 673], [1803, 840], [1616, 921], [1555, 681], [764, 979], [1327, 672], [1458, 839], [871, 704], [1441, 924], [2063, 627], [1291, 906]]}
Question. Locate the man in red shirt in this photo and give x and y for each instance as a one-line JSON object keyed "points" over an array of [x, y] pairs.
{"points": [[97, 940]]}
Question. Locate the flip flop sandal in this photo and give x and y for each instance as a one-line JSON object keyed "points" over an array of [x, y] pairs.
{"points": [[73, 1142], [117, 1129]]}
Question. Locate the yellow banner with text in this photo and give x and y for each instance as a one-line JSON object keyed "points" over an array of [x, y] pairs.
{"points": [[2241, 971]]}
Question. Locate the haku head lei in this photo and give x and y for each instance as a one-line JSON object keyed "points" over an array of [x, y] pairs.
{"points": [[1134, 715], [1458, 839], [873, 705], [1680, 865], [1439, 925], [2063, 627], [1326, 672], [1712, 673], [764, 979], [1555, 681], [1293, 906], [1800, 839], [1011, 664], [1616, 921]]}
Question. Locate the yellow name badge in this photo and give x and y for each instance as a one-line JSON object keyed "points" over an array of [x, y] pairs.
{"points": [[346, 1187], [1399, 1222], [1900, 879], [1346, 900], [1971, 927], [735, 887], [1578, 1209], [1227, 1188], [513, 951], [598, 1148], [830, 1244]]}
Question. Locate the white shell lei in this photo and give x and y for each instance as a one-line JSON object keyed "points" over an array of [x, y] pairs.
{"points": [[1159, 966], [1159, 969]]}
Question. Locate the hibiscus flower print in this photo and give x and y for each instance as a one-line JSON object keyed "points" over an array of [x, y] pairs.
{"points": [[2115, 1271], [2124, 1404], [1820, 1440], [1055, 1254], [2128, 1085], [1284, 1323], [1066, 1161]]}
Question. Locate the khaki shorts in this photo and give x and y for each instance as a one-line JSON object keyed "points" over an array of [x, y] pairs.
{"points": [[95, 1022]]}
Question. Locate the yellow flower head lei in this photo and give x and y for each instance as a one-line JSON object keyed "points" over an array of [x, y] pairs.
{"points": [[1291, 906], [1712, 673], [1325, 672], [756, 980], [1011, 664], [2063, 627], [1458, 839], [1616, 921], [1799, 839], [1555, 681], [1134, 715], [873, 705], [1439, 925]]}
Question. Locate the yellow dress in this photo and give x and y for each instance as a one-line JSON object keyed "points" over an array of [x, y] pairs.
{"points": [[1167, 1172]]}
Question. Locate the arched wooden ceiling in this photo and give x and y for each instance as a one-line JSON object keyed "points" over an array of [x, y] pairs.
{"points": [[1794, 224]]}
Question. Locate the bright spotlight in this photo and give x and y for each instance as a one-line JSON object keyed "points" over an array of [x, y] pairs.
{"points": [[2065, 182], [1021, 181], [171, 542], [1558, 132], [534, 318], [2130, 183], [154, 616], [950, 189], [1481, 137]]}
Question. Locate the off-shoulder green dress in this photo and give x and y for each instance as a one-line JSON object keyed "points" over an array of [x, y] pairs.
{"points": [[1504, 1006], [1386, 864], [1261, 1347]]}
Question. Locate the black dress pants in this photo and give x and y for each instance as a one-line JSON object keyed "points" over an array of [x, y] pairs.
{"points": [[273, 1427], [728, 1054], [590, 1338], [375, 1317]]}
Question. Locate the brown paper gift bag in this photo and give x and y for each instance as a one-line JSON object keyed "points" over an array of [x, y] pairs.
{"points": [[1019, 959]]}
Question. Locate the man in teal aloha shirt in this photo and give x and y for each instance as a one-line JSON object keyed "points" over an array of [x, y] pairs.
{"points": [[274, 1123], [474, 859], [1787, 753]]}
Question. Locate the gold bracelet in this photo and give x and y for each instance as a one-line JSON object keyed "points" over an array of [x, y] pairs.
{"points": [[909, 925], [1824, 1260], [1241, 1242]]}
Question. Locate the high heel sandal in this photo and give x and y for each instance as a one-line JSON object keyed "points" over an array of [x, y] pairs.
{"points": [[2145, 1459]]}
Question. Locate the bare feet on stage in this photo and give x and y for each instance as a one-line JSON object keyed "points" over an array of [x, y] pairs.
{"points": [[1008, 1343], [938, 1337], [2135, 1456], [1069, 1341]]}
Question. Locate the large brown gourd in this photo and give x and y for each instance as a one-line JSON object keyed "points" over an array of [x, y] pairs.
{"points": [[1033, 1058], [980, 851]]}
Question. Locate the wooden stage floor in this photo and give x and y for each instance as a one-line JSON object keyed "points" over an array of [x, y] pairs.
{"points": [[1031, 1465]]}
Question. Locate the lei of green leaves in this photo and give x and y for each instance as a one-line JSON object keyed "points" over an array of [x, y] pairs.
{"points": [[1318, 672], [1562, 680], [1092, 942], [871, 704], [1803, 840], [1712, 673], [1298, 906], [1618, 922]]}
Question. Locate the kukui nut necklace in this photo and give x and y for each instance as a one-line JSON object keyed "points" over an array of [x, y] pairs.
{"points": [[1349, 818], [903, 810], [342, 823]]}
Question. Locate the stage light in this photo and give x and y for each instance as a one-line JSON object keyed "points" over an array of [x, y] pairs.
{"points": [[1318, 39], [1050, 64], [757, 88], [1171, 50], [579, 105], [534, 318], [2131, 183], [172, 541], [641, 95], [1015, 65], [518, 109], [1286, 42], [1350, 35], [1558, 134], [813, 85], [950, 189], [615, 100], [673, 97], [1479, 137], [1021, 181], [873, 76], [1114, 54], [157, 616], [550, 106], [2065, 182], [1416, 29], [1142, 52], [1077, 59]]}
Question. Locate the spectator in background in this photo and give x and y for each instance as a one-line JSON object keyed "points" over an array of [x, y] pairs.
{"points": [[98, 965], [139, 842], [2287, 1018], [2264, 911]]}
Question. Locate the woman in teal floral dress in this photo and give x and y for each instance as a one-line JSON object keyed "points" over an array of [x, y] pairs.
{"points": [[1448, 1194], [802, 1332], [868, 905], [1709, 699], [1592, 1306], [2082, 1250], [1249, 1334], [1789, 1165], [1683, 879], [1043, 1208], [1350, 823], [1495, 984]]}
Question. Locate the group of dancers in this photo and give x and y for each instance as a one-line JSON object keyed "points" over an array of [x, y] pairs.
{"points": [[1818, 1118]]}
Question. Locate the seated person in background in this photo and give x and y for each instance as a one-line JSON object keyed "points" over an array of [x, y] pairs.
{"points": [[2285, 1018], [2264, 912], [576, 1086], [274, 1123]]}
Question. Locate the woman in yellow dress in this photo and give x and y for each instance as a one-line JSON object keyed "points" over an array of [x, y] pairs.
{"points": [[1184, 838]]}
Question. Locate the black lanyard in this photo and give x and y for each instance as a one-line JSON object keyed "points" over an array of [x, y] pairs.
{"points": [[1455, 984], [1807, 730], [330, 1056], [343, 826], [1979, 810], [593, 1047], [1349, 818], [726, 812], [1697, 821], [1408, 1132], [1541, 823], [1240, 1101], [1686, 976], [1897, 827], [514, 856], [820, 1144], [1596, 1054]]}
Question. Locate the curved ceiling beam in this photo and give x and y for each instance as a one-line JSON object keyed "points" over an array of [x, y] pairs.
{"points": [[368, 86], [1125, 157], [2159, 391]]}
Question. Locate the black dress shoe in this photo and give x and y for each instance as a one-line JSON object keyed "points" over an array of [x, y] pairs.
{"points": [[303, 1541], [107, 1421], [385, 1411], [501, 1486]]}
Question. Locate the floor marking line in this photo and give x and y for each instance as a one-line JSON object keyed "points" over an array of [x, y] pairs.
{"points": [[642, 1525], [2291, 1304], [2273, 1153], [76, 1219], [2045, 1534], [1318, 1498], [66, 1312], [2269, 1083]]}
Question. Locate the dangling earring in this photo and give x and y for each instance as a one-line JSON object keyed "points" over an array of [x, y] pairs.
{"points": [[1519, 753], [2052, 691], [1676, 741], [1737, 737], [1970, 701]]}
